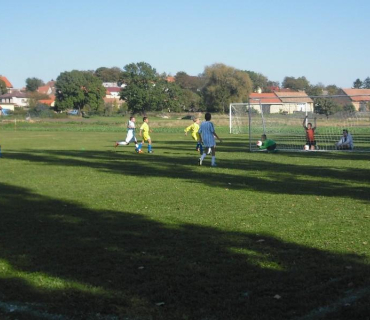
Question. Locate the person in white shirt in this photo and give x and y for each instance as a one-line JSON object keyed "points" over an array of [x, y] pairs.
{"points": [[345, 142], [130, 134]]}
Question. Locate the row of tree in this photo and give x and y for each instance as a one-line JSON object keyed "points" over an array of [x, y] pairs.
{"points": [[144, 89], [358, 84]]}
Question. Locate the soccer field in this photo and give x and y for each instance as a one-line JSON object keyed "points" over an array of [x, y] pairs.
{"points": [[92, 232]]}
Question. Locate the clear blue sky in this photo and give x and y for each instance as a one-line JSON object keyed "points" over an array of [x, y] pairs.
{"points": [[325, 40]]}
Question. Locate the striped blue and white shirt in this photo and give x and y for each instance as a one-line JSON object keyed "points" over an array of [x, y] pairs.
{"points": [[207, 131]]}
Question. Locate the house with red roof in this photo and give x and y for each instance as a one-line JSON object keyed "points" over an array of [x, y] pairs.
{"points": [[48, 90], [269, 102], [281, 102], [9, 86], [295, 101], [360, 98], [45, 90], [113, 92], [112, 96]]}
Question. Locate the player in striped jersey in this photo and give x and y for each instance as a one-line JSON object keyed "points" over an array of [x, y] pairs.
{"points": [[207, 137]]}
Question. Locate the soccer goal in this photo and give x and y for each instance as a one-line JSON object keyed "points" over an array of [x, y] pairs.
{"points": [[283, 123]]}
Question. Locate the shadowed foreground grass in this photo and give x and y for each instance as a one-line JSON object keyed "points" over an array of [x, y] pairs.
{"points": [[88, 232]]}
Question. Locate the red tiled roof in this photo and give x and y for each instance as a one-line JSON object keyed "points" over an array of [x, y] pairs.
{"points": [[7, 82], [358, 94], [113, 89], [111, 100], [43, 89], [170, 79], [264, 98]]}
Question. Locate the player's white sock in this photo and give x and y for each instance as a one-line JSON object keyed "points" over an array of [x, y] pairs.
{"points": [[203, 156], [136, 146], [213, 160]]}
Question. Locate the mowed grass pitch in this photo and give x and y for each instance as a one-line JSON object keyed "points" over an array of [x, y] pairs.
{"points": [[90, 232]]}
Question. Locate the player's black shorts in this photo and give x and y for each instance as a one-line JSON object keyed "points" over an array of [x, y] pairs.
{"points": [[311, 143], [271, 148]]}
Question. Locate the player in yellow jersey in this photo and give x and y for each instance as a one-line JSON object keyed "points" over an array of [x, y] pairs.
{"points": [[144, 133], [194, 128]]}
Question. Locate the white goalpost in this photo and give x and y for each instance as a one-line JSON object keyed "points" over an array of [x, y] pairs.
{"points": [[283, 123]]}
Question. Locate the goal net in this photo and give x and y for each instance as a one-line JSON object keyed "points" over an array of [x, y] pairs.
{"points": [[283, 123]]}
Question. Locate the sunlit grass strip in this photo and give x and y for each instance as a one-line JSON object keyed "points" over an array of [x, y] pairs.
{"points": [[42, 281]]}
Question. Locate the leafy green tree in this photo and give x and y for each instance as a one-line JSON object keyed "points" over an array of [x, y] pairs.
{"points": [[78, 89], [300, 83], [357, 84], [332, 89], [270, 84], [192, 101], [193, 83], [32, 84], [349, 108], [109, 74], [191, 92], [140, 79], [167, 96], [259, 80], [326, 106], [366, 83], [315, 90], [3, 88], [224, 85], [146, 90]]}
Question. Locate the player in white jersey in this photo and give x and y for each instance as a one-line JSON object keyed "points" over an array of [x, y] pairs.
{"points": [[130, 134]]}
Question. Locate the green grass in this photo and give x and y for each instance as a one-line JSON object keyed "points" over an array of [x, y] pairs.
{"points": [[88, 231]]}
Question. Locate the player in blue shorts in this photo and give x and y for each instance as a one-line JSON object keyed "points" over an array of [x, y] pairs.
{"points": [[207, 137]]}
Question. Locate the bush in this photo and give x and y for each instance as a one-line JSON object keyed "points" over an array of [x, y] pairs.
{"points": [[18, 111], [349, 108], [41, 111]]}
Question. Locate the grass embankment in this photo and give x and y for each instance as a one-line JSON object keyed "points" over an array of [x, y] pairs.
{"points": [[89, 231]]}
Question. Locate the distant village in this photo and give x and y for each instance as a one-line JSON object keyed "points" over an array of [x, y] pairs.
{"points": [[20, 98], [278, 100]]}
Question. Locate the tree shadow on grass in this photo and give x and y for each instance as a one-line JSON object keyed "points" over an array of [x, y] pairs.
{"points": [[67, 259], [263, 176]]}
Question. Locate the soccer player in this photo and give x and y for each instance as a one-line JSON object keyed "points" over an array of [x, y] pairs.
{"points": [[267, 144], [310, 134], [144, 133], [130, 134], [207, 137], [194, 128]]}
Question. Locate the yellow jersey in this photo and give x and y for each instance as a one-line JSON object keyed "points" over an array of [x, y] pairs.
{"points": [[145, 128], [194, 128]]}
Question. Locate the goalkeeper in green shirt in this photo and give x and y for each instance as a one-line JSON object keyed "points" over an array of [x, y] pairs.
{"points": [[266, 144]]}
